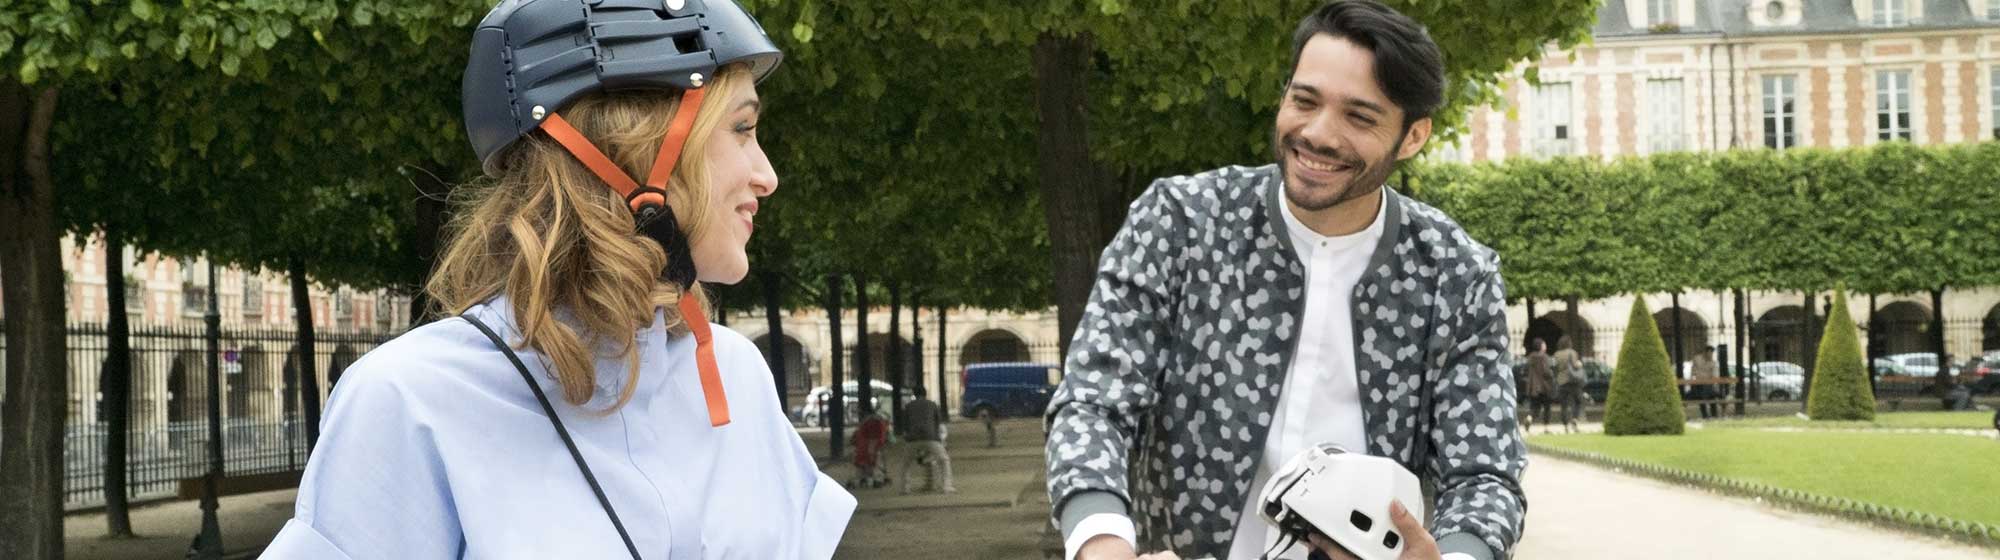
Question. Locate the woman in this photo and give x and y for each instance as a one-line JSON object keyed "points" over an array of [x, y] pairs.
{"points": [[1540, 386], [581, 405], [1570, 377]]}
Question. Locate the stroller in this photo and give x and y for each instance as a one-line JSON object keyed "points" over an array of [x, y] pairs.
{"points": [[869, 440]]}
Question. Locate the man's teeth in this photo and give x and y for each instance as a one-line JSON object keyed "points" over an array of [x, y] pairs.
{"points": [[1319, 166]]}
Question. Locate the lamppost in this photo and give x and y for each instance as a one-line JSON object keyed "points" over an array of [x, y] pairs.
{"points": [[208, 545]]}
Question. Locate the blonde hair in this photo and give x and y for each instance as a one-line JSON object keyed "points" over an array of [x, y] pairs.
{"points": [[563, 247]]}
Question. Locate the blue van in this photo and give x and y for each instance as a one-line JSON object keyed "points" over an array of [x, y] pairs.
{"points": [[1007, 389]]}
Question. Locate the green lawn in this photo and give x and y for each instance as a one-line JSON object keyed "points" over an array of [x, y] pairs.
{"points": [[1949, 475], [1977, 420]]}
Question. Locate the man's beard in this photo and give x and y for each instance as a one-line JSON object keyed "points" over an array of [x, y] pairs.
{"points": [[1367, 177]]}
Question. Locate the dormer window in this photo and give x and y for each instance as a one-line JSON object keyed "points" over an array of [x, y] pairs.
{"points": [[1887, 13], [1660, 12], [1774, 10]]}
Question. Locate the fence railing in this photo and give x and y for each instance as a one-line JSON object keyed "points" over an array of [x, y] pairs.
{"points": [[263, 422]]}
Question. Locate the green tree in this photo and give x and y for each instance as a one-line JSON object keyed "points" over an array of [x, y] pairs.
{"points": [[1125, 92], [1840, 389], [222, 119], [1644, 398]]}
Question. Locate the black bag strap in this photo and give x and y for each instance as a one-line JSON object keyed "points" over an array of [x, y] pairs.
{"points": [[557, 421]]}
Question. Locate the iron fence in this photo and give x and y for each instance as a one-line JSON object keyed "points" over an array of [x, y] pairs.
{"points": [[263, 423]]}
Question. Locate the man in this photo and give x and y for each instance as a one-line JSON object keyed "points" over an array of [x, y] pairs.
{"points": [[1541, 392], [1705, 374], [1244, 314], [926, 444]]}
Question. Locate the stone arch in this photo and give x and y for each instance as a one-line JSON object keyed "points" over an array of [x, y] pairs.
{"points": [[993, 345], [878, 358], [1551, 327], [801, 370], [137, 396], [1989, 329], [1902, 327], [344, 355], [186, 399], [1693, 332], [254, 385], [1779, 334]]}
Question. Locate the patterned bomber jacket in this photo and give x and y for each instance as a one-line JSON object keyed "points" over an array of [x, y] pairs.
{"points": [[1182, 351]]}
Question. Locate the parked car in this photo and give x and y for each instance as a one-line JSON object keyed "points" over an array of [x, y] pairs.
{"points": [[1778, 381], [1919, 364], [1007, 389], [1885, 366], [813, 412]]}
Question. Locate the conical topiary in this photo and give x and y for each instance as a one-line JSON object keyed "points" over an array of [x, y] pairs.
{"points": [[1840, 380], [1644, 399]]}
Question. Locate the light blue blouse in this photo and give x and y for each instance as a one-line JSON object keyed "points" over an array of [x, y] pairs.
{"points": [[433, 447]]}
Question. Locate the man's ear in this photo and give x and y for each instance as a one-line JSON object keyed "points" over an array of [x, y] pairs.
{"points": [[1413, 141]]}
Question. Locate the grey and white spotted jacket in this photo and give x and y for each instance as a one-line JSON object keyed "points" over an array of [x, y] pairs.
{"points": [[1190, 331]]}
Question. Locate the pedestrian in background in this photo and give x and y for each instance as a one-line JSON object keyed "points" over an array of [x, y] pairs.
{"points": [[923, 429], [1541, 390]]}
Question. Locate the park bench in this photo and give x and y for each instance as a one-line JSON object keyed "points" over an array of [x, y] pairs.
{"points": [[1719, 395]]}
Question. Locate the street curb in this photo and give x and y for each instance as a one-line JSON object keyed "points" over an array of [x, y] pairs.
{"points": [[1919, 522]]}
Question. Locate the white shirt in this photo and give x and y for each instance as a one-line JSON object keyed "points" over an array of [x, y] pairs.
{"points": [[1322, 395], [434, 447], [1321, 400]]}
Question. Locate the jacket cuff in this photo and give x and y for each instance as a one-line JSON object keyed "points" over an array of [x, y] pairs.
{"points": [[1088, 502], [1467, 544]]}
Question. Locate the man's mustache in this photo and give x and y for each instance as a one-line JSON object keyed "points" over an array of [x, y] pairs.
{"points": [[1301, 144]]}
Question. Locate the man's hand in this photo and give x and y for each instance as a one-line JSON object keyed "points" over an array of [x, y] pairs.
{"points": [[1110, 547], [1417, 543]]}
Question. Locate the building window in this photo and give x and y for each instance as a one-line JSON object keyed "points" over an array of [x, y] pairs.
{"points": [[1663, 105], [1892, 105], [253, 295], [384, 311], [1660, 12], [1993, 91], [1551, 120], [1774, 11], [1781, 97], [1890, 12], [343, 304]]}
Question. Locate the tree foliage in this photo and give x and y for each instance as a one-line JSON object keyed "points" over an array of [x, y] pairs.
{"points": [[1891, 218]]}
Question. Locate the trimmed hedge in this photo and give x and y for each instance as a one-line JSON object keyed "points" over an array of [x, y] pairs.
{"points": [[1644, 399], [1888, 218], [1840, 383]]}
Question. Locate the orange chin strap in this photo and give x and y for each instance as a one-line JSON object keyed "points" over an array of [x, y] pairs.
{"points": [[704, 359], [654, 194]]}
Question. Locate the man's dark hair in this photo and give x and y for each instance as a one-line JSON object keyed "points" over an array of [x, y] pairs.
{"points": [[1408, 64]]}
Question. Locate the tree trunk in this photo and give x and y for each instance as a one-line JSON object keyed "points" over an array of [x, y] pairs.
{"points": [[431, 209], [1742, 350], [864, 373], [31, 292], [835, 413], [775, 337], [1068, 176], [1874, 342], [916, 362], [1944, 380], [944, 394], [896, 370], [117, 389], [308, 368], [1808, 341], [1680, 349]]}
